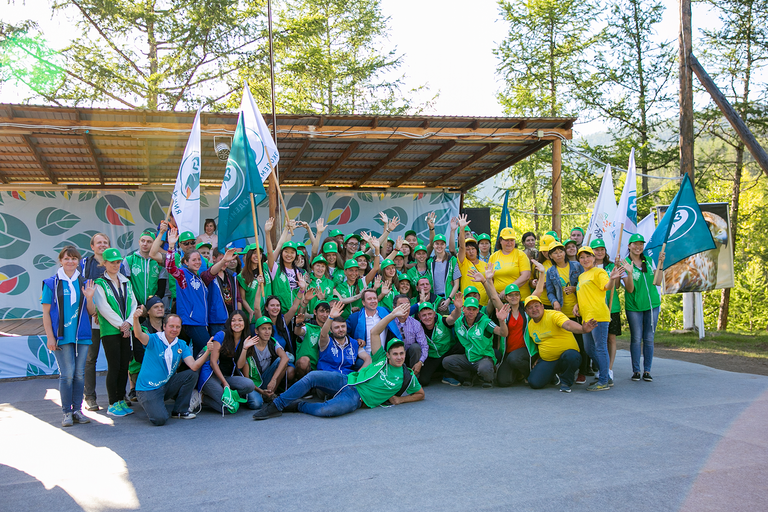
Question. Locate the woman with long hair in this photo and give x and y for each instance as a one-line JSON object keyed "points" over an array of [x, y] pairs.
{"points": [[248, 284], [387, 284], [264, 361], [221, 370], [335, 266], [67, 303]]}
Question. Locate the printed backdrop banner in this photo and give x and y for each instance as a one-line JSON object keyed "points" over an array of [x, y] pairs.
{"points": [[28, 356], [36, 225]]}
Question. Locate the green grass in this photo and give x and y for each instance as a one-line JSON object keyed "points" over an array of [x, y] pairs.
{"points": [[715, 342]]}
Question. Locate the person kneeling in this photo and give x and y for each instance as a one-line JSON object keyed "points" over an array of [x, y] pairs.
{"points": [[385, 379], [559, 357], [158, 380], [338, 352]]}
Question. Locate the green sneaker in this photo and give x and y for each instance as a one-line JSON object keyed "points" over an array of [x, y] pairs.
{"points": [[125, 407], [598, 387], [116, 410]]}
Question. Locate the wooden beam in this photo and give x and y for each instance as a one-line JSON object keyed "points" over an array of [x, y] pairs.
{"points": [[39, 159], [522, 124], [463, 165], [384, 161], [295, 160], [686, 91], [147, 174], [506, 163], [375, 122], [557, 185], [92, 153], [743, 131], [351, 149], [425, 124], [475, 124], [434, 156]]}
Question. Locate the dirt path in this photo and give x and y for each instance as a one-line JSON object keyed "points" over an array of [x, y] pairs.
{"points": [[726, 362]]}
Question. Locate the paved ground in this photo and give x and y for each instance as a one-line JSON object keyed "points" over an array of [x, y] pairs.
{"points": [[695, 439]]}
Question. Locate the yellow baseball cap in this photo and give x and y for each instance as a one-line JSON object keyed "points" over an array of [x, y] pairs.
{"points": [[507, 234]]}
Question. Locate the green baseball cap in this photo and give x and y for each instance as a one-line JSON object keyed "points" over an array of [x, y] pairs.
{"points": [[597, 243], [363, 254], [203, 244], [262, 320], [400, 254], [409, 232], [386, 263], [290, 244], [568, 241], [577, 228], [150, 233], [471, 303], [439, 238], [322, 303], [419, 248], [351, 264], [553, 234], [319, 259], [352, 235], [426, 305], [335, 232], [470, 289], [483, 236], [511, 288], [186, 236], [637, 237], [394, 342], [330, 247], [112, 255], [248, 248]]}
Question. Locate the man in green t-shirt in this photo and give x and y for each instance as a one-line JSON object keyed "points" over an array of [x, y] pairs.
{"points": [[386, 379], [309, 351]]}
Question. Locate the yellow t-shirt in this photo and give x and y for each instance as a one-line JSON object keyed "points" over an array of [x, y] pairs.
{"points": [[549, 335], [543, 275], [467, 281], [569, 300], [508, 268], [591, 295]]}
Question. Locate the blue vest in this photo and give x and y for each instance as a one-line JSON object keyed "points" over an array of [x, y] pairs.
{"points": [[83, 320], [337, 359], [192, 301], [217, 309]]}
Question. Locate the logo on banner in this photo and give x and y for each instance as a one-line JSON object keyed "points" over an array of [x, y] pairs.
{"points": [[13, 280], [233, 184], [685, 219]]}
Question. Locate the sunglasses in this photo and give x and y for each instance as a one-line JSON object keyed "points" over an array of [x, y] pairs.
{"points": [[188, 242]]}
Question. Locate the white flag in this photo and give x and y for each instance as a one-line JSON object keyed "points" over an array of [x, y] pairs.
{"points": [[626, 211], [263, 148], [601, 224], [185, 202]]}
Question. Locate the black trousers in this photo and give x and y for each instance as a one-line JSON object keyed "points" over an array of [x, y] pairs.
{"points": [[119, 354]]}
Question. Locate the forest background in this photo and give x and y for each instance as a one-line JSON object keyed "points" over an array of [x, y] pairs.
{"points": [[612, 64]]}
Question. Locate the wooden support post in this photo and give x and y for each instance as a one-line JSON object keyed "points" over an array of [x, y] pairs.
{"points": [[757, 152], [686, 92], [557, 184], [273, 206]]}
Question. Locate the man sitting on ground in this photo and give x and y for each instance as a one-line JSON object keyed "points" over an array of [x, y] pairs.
{"points": [[385, 379], [338, 352], [158, 380], [559, 357]]}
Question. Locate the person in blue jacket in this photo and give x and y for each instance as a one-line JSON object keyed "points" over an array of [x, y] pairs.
{"points": [[360, 323], [67, 309], [338, 352]]}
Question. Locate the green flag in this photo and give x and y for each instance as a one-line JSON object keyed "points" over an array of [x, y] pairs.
{"points": [[241, 179]]}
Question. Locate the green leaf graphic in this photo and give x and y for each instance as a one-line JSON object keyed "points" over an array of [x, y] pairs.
{"points": [[203, 201], [14, 237], [131, 193], [153, 206], [43, 262], [34, 371], [37, 345], [19, 313], [125, 241], [86, 195], [81, 240], [46, 193], [365, 196], [54, 221]]}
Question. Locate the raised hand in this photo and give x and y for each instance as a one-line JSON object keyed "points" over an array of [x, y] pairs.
{"points": [[230, 255], [269, 224], [138, 313], [163, 226], [463, 222], [489, 272], [337, 310], [616, 272], [423, 296], [291, 225], [503, 313], [431, 216], [89, 289], [260, 278], [384, 219], [250, 341], [393, 223], [301, 281], [454, 223], [628, 267], [538, 266], [402, 310], [399, 243], [475, 276], [320, 225], [173, 236], [319, 293], [376, 282], [458, 301]]}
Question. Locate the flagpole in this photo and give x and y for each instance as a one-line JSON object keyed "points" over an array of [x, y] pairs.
{"points": [[277, 186], [658, 276], [616, 262], [256, 235]]}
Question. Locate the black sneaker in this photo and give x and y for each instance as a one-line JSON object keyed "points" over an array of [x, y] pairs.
{"points": [[636, 376], [186, 415], [467, 383], [267, 411], [647, 377], [487, 385], [132, 396], [556, 380], [91, 405], [293, 407]]}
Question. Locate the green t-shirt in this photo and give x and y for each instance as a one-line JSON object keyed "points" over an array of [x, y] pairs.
{"points": [[478, 339], [646, 296], [380, 381], [338, 276], [325, 285], [616, 307], [143, 274], [414, 275], [309, 347], [345, 291], [441, 340]]}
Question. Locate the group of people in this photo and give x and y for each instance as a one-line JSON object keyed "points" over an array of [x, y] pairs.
{"points": [[341, 322]]}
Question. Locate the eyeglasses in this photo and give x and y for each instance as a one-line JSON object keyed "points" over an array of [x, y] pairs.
{"points": [[188, 242]]}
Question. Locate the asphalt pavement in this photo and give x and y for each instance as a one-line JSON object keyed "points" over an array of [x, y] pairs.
{"points": [[694, 439]]}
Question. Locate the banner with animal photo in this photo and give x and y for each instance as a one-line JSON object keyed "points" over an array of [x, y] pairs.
{"points": [[36, 225], [703, 271]]}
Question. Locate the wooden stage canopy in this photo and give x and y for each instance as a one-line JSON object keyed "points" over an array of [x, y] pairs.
{"points": [[103, 148]]}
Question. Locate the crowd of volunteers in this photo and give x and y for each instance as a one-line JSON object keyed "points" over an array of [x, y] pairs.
{"points": [[345, 321]]}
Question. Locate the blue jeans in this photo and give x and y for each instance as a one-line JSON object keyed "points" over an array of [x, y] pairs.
{"points": [[596, 345], [198, 335], [346, 398], [71, 360], [255, 400], [642, 326], [565, 366]]}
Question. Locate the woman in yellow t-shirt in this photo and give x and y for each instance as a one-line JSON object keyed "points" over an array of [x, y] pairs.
{"points": [[510, 265], [590, 292]]}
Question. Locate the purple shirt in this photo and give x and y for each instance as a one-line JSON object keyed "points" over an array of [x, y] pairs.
{"points": [[413, 332]]}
